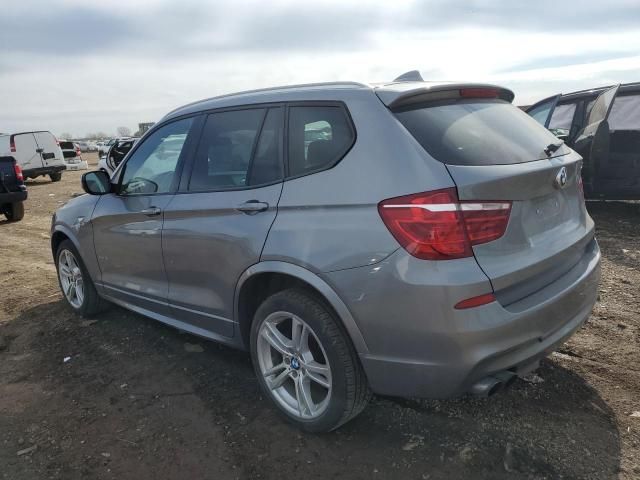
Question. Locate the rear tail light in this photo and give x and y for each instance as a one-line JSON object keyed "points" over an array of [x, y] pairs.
{"points": [[437, 226], [12, 143], [18, 171], [57, 141], [77, 151]]}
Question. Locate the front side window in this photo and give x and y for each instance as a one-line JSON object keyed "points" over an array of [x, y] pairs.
{"points": [[319, 136], [152, 167], [541, 112]]}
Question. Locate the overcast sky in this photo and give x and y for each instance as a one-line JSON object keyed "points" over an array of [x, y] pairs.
{"points": [[84, 66]]}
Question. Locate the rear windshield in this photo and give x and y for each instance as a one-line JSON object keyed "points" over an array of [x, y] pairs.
{"points": [[477, 132], [67, 146]]}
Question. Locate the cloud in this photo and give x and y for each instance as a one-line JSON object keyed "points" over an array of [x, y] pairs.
{"points": [[81, 65]]}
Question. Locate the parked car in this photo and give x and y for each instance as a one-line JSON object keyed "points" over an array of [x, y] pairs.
{"points": [[431, 241], [84, 146], [93, 147], [72, 156], [603, 125], [106, 145], [116, 154], [37, 153], [12, 190]]}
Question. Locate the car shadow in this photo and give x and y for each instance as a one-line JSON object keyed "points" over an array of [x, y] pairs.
{"points": [[559, 427]]}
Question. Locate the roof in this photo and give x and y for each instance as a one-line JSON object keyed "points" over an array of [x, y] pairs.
{"points": [[389, 93], [624, 87]]}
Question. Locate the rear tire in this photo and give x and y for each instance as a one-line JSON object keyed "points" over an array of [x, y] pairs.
{"points": [[55, 177], [14, 211], [71, 270], [323, 370]]}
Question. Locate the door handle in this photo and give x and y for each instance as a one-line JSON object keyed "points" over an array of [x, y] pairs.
{"points": [[252, 207], [39, 150], [151, 211]]}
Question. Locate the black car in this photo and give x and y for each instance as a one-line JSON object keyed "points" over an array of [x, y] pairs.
{"points": [[603, 125], [12, 189]]}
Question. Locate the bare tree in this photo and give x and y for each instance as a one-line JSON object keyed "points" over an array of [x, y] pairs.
{"points": [[66, 136], [124, 132]]}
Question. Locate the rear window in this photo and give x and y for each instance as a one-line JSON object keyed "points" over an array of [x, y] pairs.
{"points": [[67, 146], [476, 132]]}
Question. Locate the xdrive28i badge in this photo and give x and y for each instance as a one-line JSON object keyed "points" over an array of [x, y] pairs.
{"points": [[561, 178]]}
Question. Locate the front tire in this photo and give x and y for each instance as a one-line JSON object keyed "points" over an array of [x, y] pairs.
{"points": [[75, 283], [55, 177], [14, 211], [305, 362]]}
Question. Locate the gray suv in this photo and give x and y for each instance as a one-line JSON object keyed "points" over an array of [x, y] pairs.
{"points": [[408, 239]]}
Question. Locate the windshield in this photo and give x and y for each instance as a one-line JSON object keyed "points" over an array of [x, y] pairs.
{"points": [[477, 132]]}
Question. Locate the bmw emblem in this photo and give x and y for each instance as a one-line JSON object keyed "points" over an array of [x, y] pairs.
{"points": [[561, 178], [295, 364]]}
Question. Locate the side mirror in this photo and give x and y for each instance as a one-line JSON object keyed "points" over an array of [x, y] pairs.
{"points": [[96, 183]]}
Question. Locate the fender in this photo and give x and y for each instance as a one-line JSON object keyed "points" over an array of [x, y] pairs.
{"points": [[88, 255], [315, 281]]}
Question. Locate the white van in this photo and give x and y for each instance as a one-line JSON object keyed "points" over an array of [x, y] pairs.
{"points": [[38, 153]]}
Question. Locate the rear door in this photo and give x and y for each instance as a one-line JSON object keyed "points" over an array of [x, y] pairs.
{"points": [[49, 149], [216, 226], [498, 156], [27, 154], [593, 142]]}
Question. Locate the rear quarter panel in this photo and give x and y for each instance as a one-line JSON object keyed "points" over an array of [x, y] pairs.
{"points": [[329, 220]]}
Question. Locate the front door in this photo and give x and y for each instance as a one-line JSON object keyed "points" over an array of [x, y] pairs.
{"points": [[619, 177], [127, 225], [216, 227]]}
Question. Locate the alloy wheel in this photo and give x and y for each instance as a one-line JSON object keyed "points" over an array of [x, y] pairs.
{"points": [[71, 279], [294, 365]]}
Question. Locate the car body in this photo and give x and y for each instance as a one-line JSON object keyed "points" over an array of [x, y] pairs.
{"points": [[607, 137], [84, 146], [72, 156], [105, 146], [12, 189], [38, 153], [119, 149], [325, 214]]}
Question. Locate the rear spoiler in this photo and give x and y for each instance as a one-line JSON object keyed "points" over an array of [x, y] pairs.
{"points": [[398, 95]]}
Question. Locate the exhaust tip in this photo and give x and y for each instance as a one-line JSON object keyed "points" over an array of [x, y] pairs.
{"points": [[487, 386]]}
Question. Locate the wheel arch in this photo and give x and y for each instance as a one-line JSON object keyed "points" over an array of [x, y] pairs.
{"points": [[266, 278], [59, 235]]}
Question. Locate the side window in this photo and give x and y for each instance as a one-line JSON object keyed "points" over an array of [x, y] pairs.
{"points": [[225, 150], [562, 117], [319, 136], [541, 112], [267, 162], [625, 113], [152, 167]]}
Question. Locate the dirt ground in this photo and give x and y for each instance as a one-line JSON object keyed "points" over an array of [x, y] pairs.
{"points": [[140, 400]]}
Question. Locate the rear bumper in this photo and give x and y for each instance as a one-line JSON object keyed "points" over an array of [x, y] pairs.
{"points": [[36, 172], [81, 165], [420, 346], [12, 197]]}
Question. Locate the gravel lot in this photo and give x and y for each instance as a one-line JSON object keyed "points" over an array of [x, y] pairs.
{"points": [[140, 400]]}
